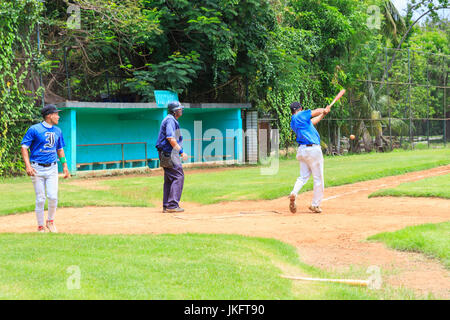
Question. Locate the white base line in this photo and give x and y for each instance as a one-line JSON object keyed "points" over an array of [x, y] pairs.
{"points": [[344, 194]]}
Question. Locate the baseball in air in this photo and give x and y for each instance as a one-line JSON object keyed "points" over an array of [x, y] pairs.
{"points": [[352, 137]]}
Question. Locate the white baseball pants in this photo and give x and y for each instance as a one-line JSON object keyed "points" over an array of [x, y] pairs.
{"points": [[311, 162], [45, 180]]}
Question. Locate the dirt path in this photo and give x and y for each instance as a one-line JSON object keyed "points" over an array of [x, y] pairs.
{"points": [[333, 240]]}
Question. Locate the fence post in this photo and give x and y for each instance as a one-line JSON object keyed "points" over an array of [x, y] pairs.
{"points": [[428, 106], [41, 83], [69, 93], [409, 100], [445, 103], [107, 85], [123, 158], [388, 100]]}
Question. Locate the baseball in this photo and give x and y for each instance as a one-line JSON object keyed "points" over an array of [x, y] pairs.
{"points": [[352, 137]]}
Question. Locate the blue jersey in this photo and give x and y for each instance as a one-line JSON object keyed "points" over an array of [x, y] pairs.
{"points": [[170, 128], [304, 129], [43, 143]]}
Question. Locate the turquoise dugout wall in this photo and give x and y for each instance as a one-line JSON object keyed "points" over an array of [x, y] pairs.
{"points": [[94, 133]]}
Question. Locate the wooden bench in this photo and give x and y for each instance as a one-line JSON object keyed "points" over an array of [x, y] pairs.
{"points": [[100, 165], [154, 163]]}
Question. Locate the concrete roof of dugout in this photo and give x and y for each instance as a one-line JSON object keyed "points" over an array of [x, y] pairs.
{"points": [[148, 105]]}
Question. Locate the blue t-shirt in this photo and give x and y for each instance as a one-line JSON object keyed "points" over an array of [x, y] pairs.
{"points": [[43, 143], [304, 129], [170, 128]]}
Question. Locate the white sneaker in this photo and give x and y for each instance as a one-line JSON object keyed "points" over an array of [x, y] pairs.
{"points": [[41, 229], [51, 226], [315, 209]]}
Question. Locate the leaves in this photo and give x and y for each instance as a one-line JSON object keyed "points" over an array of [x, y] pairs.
{"points": [[16, 29]]}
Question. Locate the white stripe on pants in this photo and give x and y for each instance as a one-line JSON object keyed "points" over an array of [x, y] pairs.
{"points": [[45, 179], [311, 162]]}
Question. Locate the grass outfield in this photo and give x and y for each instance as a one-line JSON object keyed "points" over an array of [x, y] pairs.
{"points": [[247, 183], [430, 239], [187, 266], [429, 187]]}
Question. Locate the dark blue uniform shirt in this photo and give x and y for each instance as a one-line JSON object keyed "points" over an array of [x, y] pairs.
{"points": [[170, 128]]}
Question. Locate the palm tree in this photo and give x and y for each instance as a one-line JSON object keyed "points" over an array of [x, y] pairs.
{"points": [[394, 23]]}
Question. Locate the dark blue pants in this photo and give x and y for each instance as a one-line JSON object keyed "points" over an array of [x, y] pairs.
{"points": [[173, 186]]}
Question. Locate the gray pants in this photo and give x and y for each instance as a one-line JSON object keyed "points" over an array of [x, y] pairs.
{"points": [[45, 182], [173, 186]]}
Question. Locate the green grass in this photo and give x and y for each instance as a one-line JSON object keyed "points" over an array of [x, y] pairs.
{"points": [[431, 239], [438, 186], [186, 266], [246, 183]]}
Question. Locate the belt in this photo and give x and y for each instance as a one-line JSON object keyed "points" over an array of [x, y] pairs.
{"points": [[44, 164], [307, 145]]}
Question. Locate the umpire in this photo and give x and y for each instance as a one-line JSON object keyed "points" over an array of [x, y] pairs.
{"points": [[169, 145]]}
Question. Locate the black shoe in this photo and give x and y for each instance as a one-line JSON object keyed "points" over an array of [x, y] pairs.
{"points": [[175, 210], [164, 209]]}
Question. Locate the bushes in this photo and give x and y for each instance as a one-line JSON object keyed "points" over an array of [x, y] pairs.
{"points": [[17, 26]]}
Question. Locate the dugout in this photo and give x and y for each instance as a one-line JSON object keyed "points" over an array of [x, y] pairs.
{"points": [[115, 135]]}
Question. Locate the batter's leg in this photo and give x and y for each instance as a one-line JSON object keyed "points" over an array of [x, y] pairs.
{"points": [[305, 173], [317, 173]]}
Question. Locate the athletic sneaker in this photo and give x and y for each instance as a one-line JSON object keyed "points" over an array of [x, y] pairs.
{"points": [[292, 205], [41, 229], [175, 210], [315, 209], [51, 226]]}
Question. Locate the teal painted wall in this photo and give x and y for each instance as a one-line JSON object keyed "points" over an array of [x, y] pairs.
{"points": [[215, 125], [67, 124], [102, 126]]}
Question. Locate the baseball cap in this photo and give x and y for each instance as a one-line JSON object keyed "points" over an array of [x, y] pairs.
{"points": [[174, 105], [295, 105], [49, 109]]}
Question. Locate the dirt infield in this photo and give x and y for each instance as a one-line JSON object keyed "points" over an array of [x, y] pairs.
{"points": [[333, 240]]}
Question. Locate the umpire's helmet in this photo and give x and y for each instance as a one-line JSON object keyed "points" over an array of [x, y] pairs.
{"points": [[174, 105]]}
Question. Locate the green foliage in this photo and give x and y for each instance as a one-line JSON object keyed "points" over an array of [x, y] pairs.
{"points": [[18, 20], [175, 74], [268, 53]]}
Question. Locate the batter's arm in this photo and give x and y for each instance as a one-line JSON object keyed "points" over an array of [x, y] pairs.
{"points": [[26, 158], [316, 120], [317, 112], [320, 116]]}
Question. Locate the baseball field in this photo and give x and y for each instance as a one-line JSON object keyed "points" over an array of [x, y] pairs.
{"points": [[237, 237]]}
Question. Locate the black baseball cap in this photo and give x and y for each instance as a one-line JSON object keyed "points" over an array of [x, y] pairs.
{"points": [[295, 106], [49, 109]]}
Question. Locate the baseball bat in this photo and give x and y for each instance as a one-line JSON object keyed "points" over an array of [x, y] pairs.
{"points": [[339, 95], [347, 281]]}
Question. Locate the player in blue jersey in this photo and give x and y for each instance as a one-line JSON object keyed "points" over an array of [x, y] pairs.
{"points": [[309, 153], [45, 142]]}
